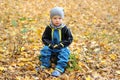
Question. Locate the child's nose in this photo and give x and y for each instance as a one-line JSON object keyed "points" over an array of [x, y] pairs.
{"points": [[57, 19]]}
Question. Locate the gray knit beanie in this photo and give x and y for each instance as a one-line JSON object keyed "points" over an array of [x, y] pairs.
{"points": [[57, 11]]}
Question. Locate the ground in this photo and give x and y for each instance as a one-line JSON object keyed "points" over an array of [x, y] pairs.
{"points": [[94, 50]]}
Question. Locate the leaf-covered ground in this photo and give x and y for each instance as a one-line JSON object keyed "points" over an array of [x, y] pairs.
{"points": [[95, 51]]}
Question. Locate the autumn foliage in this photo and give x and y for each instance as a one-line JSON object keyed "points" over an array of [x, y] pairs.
{"points": [[95, 51]]}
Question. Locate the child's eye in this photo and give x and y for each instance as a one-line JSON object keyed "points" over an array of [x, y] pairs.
{"points": [[55, 18], [60, 18]]}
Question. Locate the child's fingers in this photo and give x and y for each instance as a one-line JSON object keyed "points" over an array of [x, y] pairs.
{"points": [[55, 46]]}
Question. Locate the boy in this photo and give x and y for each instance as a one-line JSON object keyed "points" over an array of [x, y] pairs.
{"points": [[56, 38]]}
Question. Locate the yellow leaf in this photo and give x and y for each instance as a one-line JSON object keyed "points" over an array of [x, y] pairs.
{"points": [[24, 59], [11, 68], [88, 78], [1, 50], [13, 64], [20, 64], [27, 78], [76, 39], [113, 56], [39, 31], [78, 51], [18, 78], [77, 55], [90, 61], [31, 39], [80, 63], [103, 62], [94, 20], [30, 63], [22, 48], [2, 68], [24, 54], [1, 56], [51, 70], [118, 72], [35, 47]]}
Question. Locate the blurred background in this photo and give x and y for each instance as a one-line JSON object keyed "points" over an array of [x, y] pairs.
{"points": [[95, 25]]}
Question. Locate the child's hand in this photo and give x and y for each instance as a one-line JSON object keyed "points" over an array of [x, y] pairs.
{"points": [[51, 46], [57, 46]]}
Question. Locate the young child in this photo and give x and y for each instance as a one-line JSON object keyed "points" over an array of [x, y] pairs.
{"points": [[56, 38]]}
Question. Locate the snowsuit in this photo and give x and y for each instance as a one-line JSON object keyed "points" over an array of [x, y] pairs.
{"points": [[51, 35]]}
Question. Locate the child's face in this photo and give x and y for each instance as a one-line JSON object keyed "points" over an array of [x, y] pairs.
{"points": [[56, 20]]}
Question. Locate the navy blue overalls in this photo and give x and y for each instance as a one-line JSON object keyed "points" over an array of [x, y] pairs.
{"points": [[63, 53]]}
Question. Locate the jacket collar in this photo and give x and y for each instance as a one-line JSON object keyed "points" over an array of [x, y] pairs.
{"points": [[58, 27]]}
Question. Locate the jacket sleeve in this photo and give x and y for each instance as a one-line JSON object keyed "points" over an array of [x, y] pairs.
{"points": [[68, 38], [46, 36]]}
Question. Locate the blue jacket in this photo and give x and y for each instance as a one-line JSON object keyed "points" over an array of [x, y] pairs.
{"points": [[66, 37]]}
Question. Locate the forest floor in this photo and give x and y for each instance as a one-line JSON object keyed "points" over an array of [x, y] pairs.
{"points": [[95, 50]]}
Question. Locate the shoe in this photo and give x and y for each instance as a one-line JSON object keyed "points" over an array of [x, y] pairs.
{"points": [[56, 73], [41, 68]]}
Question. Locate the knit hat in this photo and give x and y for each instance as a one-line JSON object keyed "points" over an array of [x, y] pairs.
{"points": [[57, 11]]}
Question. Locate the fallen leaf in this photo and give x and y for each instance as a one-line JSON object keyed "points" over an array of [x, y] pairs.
{"points": [[22, 48], [20, 64], [118, 72], [3, 68], [113, 56], [24, 59], [88, 78]]}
